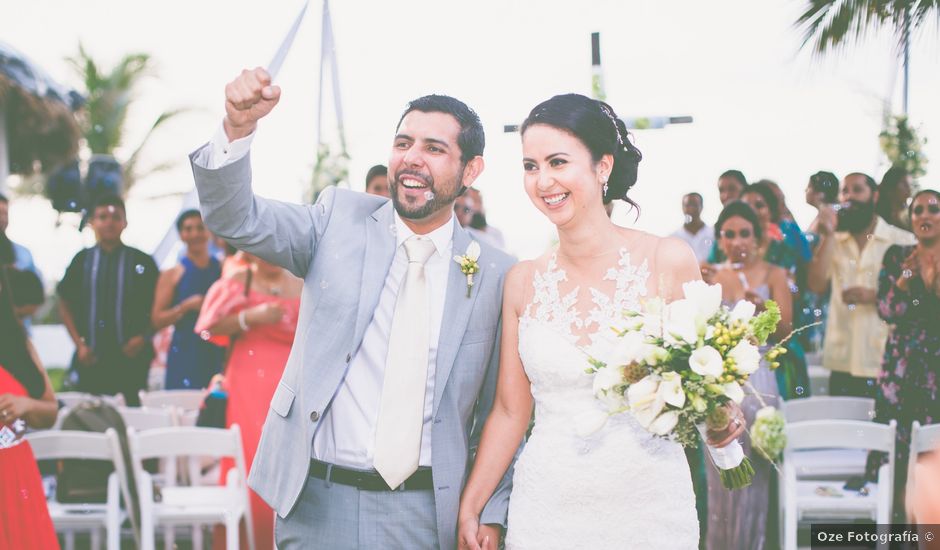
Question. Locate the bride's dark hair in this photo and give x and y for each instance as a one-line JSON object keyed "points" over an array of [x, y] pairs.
{"points": [[597, 126]]}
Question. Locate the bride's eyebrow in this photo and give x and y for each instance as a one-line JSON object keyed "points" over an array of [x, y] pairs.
{"points": [[553, 155]]}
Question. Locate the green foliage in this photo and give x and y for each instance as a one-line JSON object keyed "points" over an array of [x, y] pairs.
{"points": [[903, 147], [765, 324], [110, 93], [829, 24], [329, 170]]}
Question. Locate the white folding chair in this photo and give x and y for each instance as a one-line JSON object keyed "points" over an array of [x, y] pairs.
{"points": [[827, 500], [184, 400], [93, 517], [824, 463], [146, 418], [72, 398], [924, 439], [192, 505]]}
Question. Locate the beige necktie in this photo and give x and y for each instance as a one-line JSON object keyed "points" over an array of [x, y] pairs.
{"points": [[401, 413]]}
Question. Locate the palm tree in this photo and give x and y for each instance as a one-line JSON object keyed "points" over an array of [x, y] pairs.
{"points": [[829, 24], [110, 94]]}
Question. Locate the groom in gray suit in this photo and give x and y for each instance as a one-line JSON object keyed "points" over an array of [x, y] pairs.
{"points": [[373, 425]]}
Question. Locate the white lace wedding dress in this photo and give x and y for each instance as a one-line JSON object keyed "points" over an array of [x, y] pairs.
{"points": [[616, 489]]}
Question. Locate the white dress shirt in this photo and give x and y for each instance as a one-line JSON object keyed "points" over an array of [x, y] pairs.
{"points": [[700, 242], [345, 435]]}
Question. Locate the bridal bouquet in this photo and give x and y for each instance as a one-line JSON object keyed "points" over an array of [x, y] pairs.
{"points": [[675, 366]]}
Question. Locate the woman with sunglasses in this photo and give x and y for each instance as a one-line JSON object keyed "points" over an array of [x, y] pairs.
{"points": [[909, 299], [737, 518], [793, 375]]}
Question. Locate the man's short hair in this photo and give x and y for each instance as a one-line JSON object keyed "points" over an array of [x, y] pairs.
{"points": [[869, 181], [377, 170], [3, 198], [109, 200], [470, 139], [185, 215], [736, 175], [696, 195]]}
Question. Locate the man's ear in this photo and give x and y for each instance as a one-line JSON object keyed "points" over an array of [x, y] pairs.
{"points": [[472, 170]]}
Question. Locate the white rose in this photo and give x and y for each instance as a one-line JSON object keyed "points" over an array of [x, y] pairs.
{"points": [[706, 297], [746, 357], [670, 389], [706, 361], [664, 423], [589, 422], [743, 311], [734, 392]]}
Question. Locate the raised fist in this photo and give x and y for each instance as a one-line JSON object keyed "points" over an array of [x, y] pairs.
{"points": [[248, 98]]}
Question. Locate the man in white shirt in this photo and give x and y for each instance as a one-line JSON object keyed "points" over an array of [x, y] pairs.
{"points": [[694, 231], [393, 368]]}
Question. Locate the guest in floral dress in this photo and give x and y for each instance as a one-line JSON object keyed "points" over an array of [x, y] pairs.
{"points": [[908, 290]]}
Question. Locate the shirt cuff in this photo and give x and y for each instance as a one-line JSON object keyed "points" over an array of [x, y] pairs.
{"points": [[221, 152]]}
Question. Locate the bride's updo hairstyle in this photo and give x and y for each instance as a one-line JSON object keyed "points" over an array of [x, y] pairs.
{"points": [[597, 126]]}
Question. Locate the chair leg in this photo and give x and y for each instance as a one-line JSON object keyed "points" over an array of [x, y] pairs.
{"points": [[232, 532], [197, 536], [96, 539], [169, 537], [70, 540]]}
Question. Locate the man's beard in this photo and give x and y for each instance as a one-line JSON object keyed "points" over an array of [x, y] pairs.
{"points": [[437, 201], [856, 217]]}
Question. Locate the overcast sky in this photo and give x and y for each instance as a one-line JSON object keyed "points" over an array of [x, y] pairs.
{"points": [[759, 104]]}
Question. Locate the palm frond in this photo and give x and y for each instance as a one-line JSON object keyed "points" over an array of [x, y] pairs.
{"points": [[130, 165], [830, 24]]}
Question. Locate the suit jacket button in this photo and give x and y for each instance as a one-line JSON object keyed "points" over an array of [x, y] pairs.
{"points": [[348, 357], [314, 416]]}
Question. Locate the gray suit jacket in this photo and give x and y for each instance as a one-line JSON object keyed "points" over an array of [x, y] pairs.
{"points": [[342, 247]]}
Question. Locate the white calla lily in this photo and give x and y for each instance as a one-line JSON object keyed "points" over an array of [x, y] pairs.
{"points": [[670, 389], [734, 392], [664, 423], [705, 297], [706, 361]]}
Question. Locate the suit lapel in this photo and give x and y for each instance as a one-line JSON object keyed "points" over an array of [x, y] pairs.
{"points": [[377, 260], [457, 309]]}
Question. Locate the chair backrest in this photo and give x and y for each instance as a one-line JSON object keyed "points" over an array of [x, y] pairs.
{"points": [[71, 444], [145, 418], [186, 441], [924, 439], [72, 398], [56, 445], [840, 434], [829, 408], [181, 399]]}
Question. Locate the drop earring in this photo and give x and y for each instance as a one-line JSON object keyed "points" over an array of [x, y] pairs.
{"points": [[604, 181]]}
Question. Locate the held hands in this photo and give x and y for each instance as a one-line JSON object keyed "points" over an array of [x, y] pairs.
{"points": [[193, 303], [473, 536], [84, 354], [13, 407], [248, 99], [734, 429], [858, 295], [265, 314], [756, 299], [133, 346]]}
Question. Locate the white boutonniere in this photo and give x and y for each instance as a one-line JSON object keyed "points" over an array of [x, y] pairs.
{"points": [[468, 263]]}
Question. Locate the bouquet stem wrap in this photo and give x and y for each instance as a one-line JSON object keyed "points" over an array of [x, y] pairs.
{"points": [[733, 465]]}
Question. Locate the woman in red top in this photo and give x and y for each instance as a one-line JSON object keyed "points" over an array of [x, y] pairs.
{"points": [[26, 399], [262, 321]]}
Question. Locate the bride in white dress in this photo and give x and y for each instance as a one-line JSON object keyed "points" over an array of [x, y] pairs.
{"points": [[620, 487]]}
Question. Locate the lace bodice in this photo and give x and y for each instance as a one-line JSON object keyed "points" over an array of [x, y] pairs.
{"points": [[619, 488]]}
